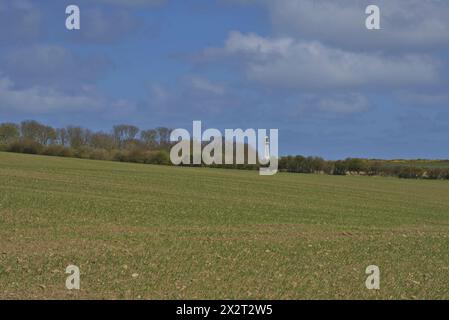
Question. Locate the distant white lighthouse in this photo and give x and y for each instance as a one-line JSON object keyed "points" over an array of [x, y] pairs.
{"points": [[266, 153]]}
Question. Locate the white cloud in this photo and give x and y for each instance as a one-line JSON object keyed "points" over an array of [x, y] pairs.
{"points": [[134, 3], [52, 65], [288, 63], [206, 86], [423, 99], [252, 43], [344, 103], [158, 93], [101, 27], [405, 23], [20, 21], [36, 100], [47, 100]]}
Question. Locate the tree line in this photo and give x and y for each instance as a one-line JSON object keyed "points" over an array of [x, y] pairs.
{"points": [[128, 143], [407, 169], [123, 143]]}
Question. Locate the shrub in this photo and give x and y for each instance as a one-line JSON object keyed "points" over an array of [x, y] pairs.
{"points": [[411, 173], [328, 167], [355, 165], [57, 150], [136, 156], [119, 155], [340, 168], [445, 174], [100, 154], [390, 171], [158, 157], [83, 152], [25, 146], [435, 173]]}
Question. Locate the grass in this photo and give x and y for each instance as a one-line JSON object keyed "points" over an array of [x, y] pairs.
{"points": [[191, 233]]}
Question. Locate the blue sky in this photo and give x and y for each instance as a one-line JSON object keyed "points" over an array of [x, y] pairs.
{"points": [[307, 67]]}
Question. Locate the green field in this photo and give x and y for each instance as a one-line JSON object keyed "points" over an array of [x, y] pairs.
{"points": [[157, 232]]}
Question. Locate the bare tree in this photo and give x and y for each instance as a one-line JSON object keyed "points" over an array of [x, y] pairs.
{"points": [[124, 133], [150, 138], [102, 140], [78, 136], [9, 132], [164, 136], [62, 136], [38, 132]]}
